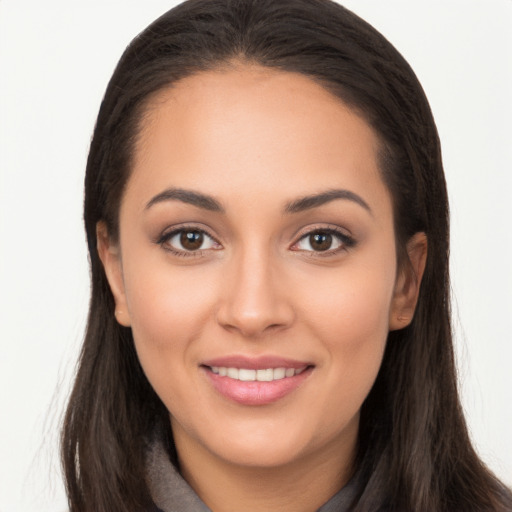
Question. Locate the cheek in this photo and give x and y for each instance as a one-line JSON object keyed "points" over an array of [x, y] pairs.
{"points": [[352, 304], [349, 312], [168, 310], [163, 299]]}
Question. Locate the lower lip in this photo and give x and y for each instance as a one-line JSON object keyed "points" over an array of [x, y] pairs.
{"points": [[256, 392]]}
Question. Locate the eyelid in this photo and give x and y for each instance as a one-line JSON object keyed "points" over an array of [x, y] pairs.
{"points": [[171, 232], [346, 239], [342, 234]]}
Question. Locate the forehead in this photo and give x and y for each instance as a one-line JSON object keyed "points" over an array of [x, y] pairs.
{"points": [[251, 126]]}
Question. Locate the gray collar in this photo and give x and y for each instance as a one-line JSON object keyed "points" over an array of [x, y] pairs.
{"points": [[168, 489], [171, 493]]}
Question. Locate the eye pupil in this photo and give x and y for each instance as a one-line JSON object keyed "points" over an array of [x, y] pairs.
{"points": [[191, 240], [320, 241]]}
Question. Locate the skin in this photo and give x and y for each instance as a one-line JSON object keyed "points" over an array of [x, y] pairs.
{"points": [[257, 140]]}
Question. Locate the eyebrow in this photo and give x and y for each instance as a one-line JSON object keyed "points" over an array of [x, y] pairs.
{"points": [[207, 202], [187, 196], [315, 200]]}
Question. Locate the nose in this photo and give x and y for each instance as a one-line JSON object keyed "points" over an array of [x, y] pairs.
{"points": [[254, 301]]}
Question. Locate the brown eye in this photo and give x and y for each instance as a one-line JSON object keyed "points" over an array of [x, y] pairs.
{"points": [[191, 240], [187, 241], [320, 241], [326, 240]]}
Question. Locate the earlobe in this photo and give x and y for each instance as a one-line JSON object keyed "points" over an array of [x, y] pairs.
{"points": [[407, 286], [111, 260]]}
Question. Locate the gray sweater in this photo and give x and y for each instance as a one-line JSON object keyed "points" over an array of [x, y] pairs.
{"points": [[171, 493]]}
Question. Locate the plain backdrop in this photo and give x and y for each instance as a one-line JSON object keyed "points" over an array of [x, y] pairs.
{"points": [[55, 60]]}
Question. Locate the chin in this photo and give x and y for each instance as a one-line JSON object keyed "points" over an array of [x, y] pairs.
{"points": [[261, 453], [272, 444]]}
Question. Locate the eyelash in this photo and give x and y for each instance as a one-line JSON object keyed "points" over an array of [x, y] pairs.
{"points": [[345, 241], [164, 239]]}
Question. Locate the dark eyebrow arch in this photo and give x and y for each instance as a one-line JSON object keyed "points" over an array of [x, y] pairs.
{"points": [[187, 196], [315, 200]]}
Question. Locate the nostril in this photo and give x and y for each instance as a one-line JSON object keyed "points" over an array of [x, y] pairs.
{"points": [[273, 327], [251, 303]]}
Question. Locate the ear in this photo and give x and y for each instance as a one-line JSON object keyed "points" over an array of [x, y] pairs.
{"points": [[110, 257], [408, 281]]}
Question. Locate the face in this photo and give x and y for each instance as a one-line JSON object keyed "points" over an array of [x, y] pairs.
{"points": [[256, 265]]}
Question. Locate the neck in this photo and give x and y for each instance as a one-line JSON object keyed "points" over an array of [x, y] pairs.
{"points": [[303, 485]]}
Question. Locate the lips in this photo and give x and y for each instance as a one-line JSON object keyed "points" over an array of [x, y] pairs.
{"points": [[256, 381]]}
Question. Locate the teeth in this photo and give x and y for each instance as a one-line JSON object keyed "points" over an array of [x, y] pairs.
{"points": [[265, 375], [233, 373], [279, 373], [247, 375]]}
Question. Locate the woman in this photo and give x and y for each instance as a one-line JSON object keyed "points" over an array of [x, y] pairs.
{"points": [[269, 327]]}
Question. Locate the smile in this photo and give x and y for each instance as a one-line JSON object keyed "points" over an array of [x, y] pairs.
{"points": [[262, 375], [256, 381]]}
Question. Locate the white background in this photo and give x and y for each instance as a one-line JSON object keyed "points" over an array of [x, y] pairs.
{"points": [[55, 60]]}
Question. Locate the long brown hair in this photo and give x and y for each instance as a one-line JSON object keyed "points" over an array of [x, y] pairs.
{"points": [[414, 451]]}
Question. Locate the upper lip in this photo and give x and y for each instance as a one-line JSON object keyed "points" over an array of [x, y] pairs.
{"points": [[255, 363]]}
